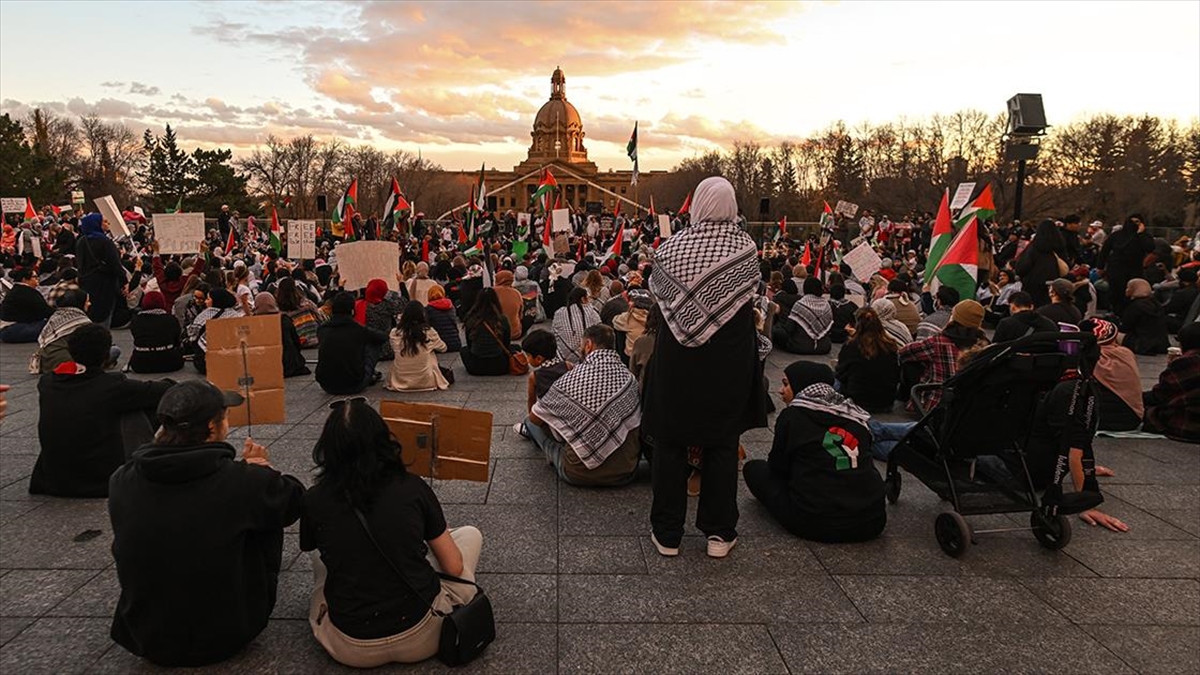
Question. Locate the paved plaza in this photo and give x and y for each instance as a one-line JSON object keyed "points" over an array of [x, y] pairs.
{"points": [[577, 587]]}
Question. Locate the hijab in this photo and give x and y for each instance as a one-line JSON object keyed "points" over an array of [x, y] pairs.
{"points": [[896, 330], [1139, 288], [92, 226], [154, 301], [812, 386], [264, 303], [1117, 367]]}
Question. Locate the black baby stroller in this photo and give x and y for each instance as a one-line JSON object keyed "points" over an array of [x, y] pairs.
{"points": [[1004, 383]]}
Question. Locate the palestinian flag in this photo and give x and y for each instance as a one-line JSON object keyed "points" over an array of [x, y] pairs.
{"points": [[340, 217], [842, 446], [481, 202], [348, 226], [477, 249], [782, 233], [472, 213], [546, 232], [231, 243], [558, 201], [631, 150], [687, 205], [178, 205], [30, 213], [425, 250], [462, 233], [940, 239], [615, 250], [982, 208], [276, 231], [617, 210], [827, 221], [960, 265], [806, 259], [394, 205], [545, 188], [56, 209]]}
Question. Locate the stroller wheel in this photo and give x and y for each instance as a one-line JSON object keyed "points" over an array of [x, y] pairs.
{"points": [[953, 533], [892, 488], [1053, 533]]}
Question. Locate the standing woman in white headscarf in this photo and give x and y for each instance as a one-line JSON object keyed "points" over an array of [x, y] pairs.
{"points": [[703, 384]]}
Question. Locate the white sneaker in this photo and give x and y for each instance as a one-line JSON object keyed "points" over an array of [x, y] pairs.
{"points": [[719, 548], [519, 429], [665, 551]]}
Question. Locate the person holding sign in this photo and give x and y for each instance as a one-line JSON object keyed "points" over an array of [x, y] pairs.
{"points": [[100, 270]]}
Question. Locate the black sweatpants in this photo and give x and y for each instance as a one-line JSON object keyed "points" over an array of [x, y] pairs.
{"points": [[717, 514], [774, 494]]}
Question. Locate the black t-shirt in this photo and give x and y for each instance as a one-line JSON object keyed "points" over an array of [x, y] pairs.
{"points": [[366, 599], [1061, 312], [1065, 419]]}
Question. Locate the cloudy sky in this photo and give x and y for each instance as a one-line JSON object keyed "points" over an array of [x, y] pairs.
{"points": [[462, 81]]}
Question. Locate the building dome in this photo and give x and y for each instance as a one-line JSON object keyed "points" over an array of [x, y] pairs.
{"points": [[557, 128]]}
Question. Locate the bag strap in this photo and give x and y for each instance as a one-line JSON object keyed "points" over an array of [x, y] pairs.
{"points": [[448, 577], [503, 347]]}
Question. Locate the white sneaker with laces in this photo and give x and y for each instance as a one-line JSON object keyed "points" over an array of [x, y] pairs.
{"points": [[719, 548], [665, 551], [519, 429]]}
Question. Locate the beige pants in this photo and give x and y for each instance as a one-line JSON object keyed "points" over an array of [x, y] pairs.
{"points": [[415, 644]]}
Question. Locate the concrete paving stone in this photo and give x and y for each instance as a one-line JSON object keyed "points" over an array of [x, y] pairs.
{"points": [[44, 537], [773, 556], [585, 511], [19, 492], [1154, 650], [461, 491], [1150, 467], [702, 598], [522, 481], [16, 468], [97, 598], [10, 511], [1143, 524], [601, 555], [522, 598], [504, 411], [1114, 557], [34, 592], [14, 433], [56, 646], [1152, 497], [1122, 602], [292, 595], [931, 649], [11, 626], [260, 432], [945, 599], [1184, 519], [517, 538], [993, 556], [633, 649]]}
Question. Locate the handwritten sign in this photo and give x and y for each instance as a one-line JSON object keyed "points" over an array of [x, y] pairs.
{"points": [[361, 261], [962, 195], [846, 208], [178, 232], [664, 226], [302, 239], [562, 220], [863, 261], [108, 208], [12, 204]]}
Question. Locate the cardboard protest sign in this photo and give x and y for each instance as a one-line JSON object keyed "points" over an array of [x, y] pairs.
{"points": [[77, 197], [863, 261], [108, 209], [962, 195], [361, 261], [664, 226], [846, 208], [561, 245], [12, 204], [438, 441], [302, 239], [178, 232], [523, 221], [245, 354], [562, 220]]}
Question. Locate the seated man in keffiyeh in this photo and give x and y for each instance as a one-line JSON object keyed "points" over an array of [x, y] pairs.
{"points": [[819, 480], [587, 424], [807, 327]]}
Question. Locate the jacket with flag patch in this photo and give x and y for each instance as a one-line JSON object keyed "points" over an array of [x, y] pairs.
{"points": [[826, 461]]}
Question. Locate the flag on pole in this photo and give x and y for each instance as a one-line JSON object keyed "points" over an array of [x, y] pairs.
{"points": [[687, 204], [652, 213], [482, 201], [339, 218], [806, 259], [230, 243], [178, 205], [425, 250], [462, 233], [982, 208], [30, 213], [546, 232], [617, 210], [959, 268], [394, 205], [939, 240], [56, 209], [631, 150], [614, 251], [545, 188], [276, 232], [489, 279], [827, 220], [558, 201], [477, 249], [348, 225], [782, 233]]}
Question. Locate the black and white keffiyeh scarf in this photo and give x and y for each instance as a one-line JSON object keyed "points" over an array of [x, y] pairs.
{"points": [[62, 323], [822, 398], [702, 277], [814, 316], [569, 324], [593, 407]]}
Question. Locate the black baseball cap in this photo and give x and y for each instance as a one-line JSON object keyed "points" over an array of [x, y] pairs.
{"points": [[194, 403]]}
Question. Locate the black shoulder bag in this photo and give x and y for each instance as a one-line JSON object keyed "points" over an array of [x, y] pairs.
{"points": [[467, 630]]}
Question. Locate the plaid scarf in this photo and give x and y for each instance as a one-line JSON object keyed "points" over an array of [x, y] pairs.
{"points": [[702, 277], [593, 407], [821, 397], [814, 315]]}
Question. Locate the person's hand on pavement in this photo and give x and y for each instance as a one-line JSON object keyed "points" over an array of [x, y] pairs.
{"points": [[1096, 517]]}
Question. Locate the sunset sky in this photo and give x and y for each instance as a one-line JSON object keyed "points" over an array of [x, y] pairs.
{"points": [[461, 82]]}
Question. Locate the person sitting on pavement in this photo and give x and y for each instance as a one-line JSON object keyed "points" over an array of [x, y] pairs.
{"points": [[933, 360], [1182, 298], [222, 304], [545, 367], [1062, 307], [1117, 380], [819, 481], [868, 370], [1173, 404], [156, 335], [294, 363], [488, 335], [944, 299], [230, 551], [1022, 320], [570, 322], [1143, 321], [416, 345], [511, 303], [587, 423], [24, 311], [70, 315], [806, 329], [896, 331], [348, 352], [361, 612], [906, 310], [378, 310], [89, 420], [440, 313]]}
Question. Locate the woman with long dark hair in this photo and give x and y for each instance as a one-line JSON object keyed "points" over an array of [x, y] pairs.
{"points": [[1039, 263], [488, 336], [867, 368], [362, 612], [415, 344], [303, 312], [570, 321]]}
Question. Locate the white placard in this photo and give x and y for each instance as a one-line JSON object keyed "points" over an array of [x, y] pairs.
{"points": [[361, 261], [863, 261], [302, 239], [962, 195], [664, 226], [108, 209], [138, 210], [178, 232], [35, 247], [77, 197], [562, 220], [846, 208], [523, 220], [12, 204]]}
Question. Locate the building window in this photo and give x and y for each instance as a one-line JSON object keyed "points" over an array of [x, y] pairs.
{"points": [[623, 189]]}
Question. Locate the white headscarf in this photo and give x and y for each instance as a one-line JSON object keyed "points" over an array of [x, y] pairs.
{"points": [[714, 202]]}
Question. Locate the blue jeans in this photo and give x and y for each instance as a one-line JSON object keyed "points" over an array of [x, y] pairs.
{"points": [[21, 333], [885, 436], [551, 446]]}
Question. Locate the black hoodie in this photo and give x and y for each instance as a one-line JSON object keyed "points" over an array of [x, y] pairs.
{"points": [[197, 538]]}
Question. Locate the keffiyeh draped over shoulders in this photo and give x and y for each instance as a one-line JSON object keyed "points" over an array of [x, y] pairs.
{"points": [[706, 273], [593, 407], [814, 315], [821, 397]]}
